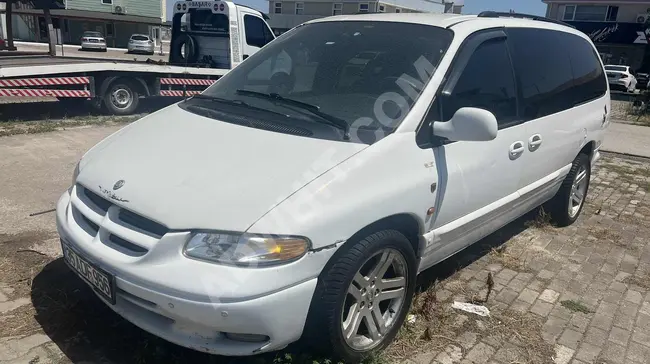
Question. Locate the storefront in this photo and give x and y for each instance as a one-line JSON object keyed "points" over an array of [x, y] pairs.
{"points": [[619, 43]]}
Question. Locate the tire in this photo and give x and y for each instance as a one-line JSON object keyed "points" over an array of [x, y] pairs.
{"points": [[121, 98], [563, 208], [332, 301]]}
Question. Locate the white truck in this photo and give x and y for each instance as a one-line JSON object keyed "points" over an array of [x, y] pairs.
{"points": [[217, 36]]}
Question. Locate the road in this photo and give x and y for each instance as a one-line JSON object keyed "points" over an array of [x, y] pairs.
{"points": [[75, 51]]}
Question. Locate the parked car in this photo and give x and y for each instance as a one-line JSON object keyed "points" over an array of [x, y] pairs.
{"points": [[642, 80], [93, 41], [141, 43], [621, 78], [302, 193]]}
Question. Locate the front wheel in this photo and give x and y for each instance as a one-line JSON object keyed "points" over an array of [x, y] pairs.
{"points": [[121, 98], [567, 204], [362, 299]]}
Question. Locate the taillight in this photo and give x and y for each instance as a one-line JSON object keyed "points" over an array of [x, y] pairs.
{"points": [[84, 39]]}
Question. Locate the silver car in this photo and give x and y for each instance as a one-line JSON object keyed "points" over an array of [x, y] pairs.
{"points": [[93, 41], [141, 43]]}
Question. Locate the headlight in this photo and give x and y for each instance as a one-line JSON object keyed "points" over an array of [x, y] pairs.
{"points": [[246, 249], [75, 174]]}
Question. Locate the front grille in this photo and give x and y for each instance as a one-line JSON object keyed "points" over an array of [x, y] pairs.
{"points": [[98, 201], [123, 230], [142, 223]]}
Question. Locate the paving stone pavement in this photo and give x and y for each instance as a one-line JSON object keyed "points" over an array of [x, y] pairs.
{"points": [[572, 295], [587, 284]]}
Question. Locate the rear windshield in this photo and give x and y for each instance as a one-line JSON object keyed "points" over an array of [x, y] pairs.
{"points": [[206, 21], [140, 37], [93, 34], [366, 74], [616, 68]]}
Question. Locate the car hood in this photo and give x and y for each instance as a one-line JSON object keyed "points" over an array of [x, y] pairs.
{"points": [[191, 172]]}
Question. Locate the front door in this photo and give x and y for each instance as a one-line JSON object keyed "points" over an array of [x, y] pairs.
{"points": [[478, 181]]}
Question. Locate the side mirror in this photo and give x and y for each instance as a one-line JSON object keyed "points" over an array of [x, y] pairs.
{"points": [[468, 124]]}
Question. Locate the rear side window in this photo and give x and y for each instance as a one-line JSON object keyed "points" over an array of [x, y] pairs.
{"points": [[257, 33], [543, 66], [486, 82], [589, 81]]}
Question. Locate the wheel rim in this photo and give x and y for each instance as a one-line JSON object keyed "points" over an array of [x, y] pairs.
{"points": [[121, 98], [374, 300], [578, 191]]}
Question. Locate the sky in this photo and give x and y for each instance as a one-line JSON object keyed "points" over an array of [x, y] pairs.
{"points": [[534, 7]]}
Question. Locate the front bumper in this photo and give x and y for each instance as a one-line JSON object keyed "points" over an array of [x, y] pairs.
{"points": [[149, 295]]}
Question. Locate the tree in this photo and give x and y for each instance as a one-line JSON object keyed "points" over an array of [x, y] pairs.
{"points": [[46, 5]]}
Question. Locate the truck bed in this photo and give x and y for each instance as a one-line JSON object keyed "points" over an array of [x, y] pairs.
{"points": [[37, 66]]}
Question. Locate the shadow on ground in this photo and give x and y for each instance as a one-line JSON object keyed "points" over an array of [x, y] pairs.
{"points": [[85, 329], [69, 108]]}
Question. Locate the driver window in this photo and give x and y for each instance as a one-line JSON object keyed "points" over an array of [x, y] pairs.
{"points": [[487, 82]]}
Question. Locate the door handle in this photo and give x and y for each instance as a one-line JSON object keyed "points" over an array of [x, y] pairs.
{"points": [[534, 142], [516, 149]]}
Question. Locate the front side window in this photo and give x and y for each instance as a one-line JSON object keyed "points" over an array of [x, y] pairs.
{"points": [[277, 8], [348, 71], [257, 33], [487, 82], [337, 9]]}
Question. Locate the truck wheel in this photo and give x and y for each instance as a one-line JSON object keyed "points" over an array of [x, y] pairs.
{"points": [[567, 204], [363, 296], [121, 98]]}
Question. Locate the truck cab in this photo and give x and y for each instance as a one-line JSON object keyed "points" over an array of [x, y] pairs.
{"points": [[216, 34]]}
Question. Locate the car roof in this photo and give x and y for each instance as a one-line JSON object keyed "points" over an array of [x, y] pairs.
{"points": [[463, 23], [138, 34]]}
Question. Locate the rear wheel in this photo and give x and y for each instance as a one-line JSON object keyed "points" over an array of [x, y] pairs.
{"points": [[567, 204], [363, 298], [121, 98]]}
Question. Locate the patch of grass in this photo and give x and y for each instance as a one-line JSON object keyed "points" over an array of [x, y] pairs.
{"points": [[541, 221], [576, 306], [45, 126]]}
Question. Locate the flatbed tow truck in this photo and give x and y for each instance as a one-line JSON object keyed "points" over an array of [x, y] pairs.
{"points": [[219, 35]]}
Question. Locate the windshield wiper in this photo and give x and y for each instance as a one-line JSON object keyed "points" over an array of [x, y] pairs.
{"points": [[313, 109], [234, 102]]}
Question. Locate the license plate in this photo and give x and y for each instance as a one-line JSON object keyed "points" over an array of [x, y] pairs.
{"points": [[101, 281]]}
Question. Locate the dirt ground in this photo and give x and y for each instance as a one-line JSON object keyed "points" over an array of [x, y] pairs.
{"points": [[573, 295]]}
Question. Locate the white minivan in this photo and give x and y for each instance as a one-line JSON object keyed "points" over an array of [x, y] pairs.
{"points": [[302, 193]]}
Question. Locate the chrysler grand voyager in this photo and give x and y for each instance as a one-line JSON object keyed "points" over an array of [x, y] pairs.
{"points": [[301, 194]]}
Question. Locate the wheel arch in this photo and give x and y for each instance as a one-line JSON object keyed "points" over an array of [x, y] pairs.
{"points": [[405, 223], [137, 82], [588, 149]]}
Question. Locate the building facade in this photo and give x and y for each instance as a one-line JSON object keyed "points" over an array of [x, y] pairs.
{"points": [[288, 14], [117, 20], [620, 29]]}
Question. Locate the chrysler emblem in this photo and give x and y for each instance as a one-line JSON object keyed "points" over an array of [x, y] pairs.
{"points": [[118, 185]]}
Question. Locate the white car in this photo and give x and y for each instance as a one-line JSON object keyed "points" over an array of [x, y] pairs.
{"points": [[93, 41], [303, 201], [621, 77]]}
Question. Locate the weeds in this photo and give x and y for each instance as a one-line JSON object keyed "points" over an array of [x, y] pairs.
{"points": [[576, 306], [45, 126]]}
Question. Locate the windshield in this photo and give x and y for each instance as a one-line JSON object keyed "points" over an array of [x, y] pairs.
{"points": [[616, 68], [366, 74], [93, 34], [140, 37]]}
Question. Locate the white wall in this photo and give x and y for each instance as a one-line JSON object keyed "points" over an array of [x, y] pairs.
{"points": [[422, 5]]}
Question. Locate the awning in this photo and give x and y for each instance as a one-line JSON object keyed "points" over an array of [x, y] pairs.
{"points": [[90, 15]]}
